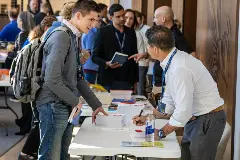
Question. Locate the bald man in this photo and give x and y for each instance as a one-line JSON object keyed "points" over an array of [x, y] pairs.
{"points": [[164, 16]]}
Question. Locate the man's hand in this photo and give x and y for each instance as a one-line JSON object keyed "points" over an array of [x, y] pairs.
{"points": [[139, 121], [114, 65], [138, 56], [98, 110]]}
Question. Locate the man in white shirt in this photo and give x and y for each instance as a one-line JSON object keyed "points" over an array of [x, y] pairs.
{"points": [[191, 98]]}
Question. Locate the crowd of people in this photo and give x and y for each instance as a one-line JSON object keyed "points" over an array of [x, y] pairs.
{"points": [[83, 55]]}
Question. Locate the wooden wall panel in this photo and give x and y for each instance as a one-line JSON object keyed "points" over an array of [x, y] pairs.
{"points": [[137, 5], [177, 6], [190, 21], [150, 12], [145, 9], [159, 3], [216, 45]]}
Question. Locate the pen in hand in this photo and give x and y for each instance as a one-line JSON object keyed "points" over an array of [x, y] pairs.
{"points": [[139, 116]]}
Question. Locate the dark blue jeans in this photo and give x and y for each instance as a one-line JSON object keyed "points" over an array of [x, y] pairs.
{"points": [[55, 131]]}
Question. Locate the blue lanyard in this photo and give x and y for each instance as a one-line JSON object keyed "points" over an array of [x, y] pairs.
{"points": [[165, 71], [120, 45]]}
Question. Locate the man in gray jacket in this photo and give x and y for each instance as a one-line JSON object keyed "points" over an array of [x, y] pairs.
{"points": [[59, 93]]}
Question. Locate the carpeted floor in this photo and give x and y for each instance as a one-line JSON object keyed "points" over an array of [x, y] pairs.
{"points": [[8, 119]]}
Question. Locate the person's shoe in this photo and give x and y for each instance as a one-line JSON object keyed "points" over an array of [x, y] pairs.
{"points": [[14, 99], [26, 157]]}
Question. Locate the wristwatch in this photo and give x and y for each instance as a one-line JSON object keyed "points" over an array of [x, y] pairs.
{"points": [[161, 134]]}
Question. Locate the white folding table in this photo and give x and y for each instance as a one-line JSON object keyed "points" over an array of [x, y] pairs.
{"points": [[3, 57], [87, 111], [94, 140], [6, 83]]}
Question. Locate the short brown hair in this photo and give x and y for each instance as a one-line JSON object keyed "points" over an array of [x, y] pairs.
{"points": [[85, 7], [13, 13]]}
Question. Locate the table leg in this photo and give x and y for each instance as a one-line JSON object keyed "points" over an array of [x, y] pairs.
{"points": [[6, 102], [4, 128]]}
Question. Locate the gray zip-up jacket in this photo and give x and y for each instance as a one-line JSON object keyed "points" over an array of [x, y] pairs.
{"points": [[61, 84]]}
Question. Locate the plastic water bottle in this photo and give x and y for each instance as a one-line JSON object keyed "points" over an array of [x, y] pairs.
{"points": [[150, 127]]}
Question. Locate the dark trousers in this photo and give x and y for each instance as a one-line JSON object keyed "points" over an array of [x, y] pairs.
{"points": [[201, 136], [33, 140], [26, 120], [142, 80]]}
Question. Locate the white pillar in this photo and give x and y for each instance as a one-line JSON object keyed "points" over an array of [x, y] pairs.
{"points": [[237, 111]]}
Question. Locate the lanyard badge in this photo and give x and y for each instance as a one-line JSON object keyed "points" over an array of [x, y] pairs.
{"points": [[120, 45], [162, 106]]}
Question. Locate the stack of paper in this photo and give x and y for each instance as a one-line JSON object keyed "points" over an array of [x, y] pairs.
{"points": [[142, 144]]}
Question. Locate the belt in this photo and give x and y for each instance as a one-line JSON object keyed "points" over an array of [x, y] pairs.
{"points": [[213, 111]]}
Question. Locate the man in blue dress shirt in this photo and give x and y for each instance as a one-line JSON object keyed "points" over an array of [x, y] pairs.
{"points": [[11, 30]]}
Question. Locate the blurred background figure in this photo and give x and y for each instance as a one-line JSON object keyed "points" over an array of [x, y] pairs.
{"points": [[11, 30], [33, 7], [45, 11], [103, 14], [90, 69]]}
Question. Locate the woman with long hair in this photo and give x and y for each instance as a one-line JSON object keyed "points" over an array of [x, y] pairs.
{"points": [[131, 22]]}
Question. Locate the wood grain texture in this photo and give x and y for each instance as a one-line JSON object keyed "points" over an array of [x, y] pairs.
{"points": [[150, 12], [159, 3], [216, 45], [137, 5], [177, 6], [190, 21], [145, 9]]}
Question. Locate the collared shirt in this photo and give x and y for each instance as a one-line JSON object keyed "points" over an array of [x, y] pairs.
{"points": [[75, 31], [73, 28], [190, 89], [181, 43]]}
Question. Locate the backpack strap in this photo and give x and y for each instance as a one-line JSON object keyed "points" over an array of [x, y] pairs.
{"points": [[61, 28], [64, 29]]}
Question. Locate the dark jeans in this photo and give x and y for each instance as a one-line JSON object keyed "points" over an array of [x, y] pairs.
{"points": [[33, 140], [55, 131], [142, 80], [26, 120], [201, 136]]}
